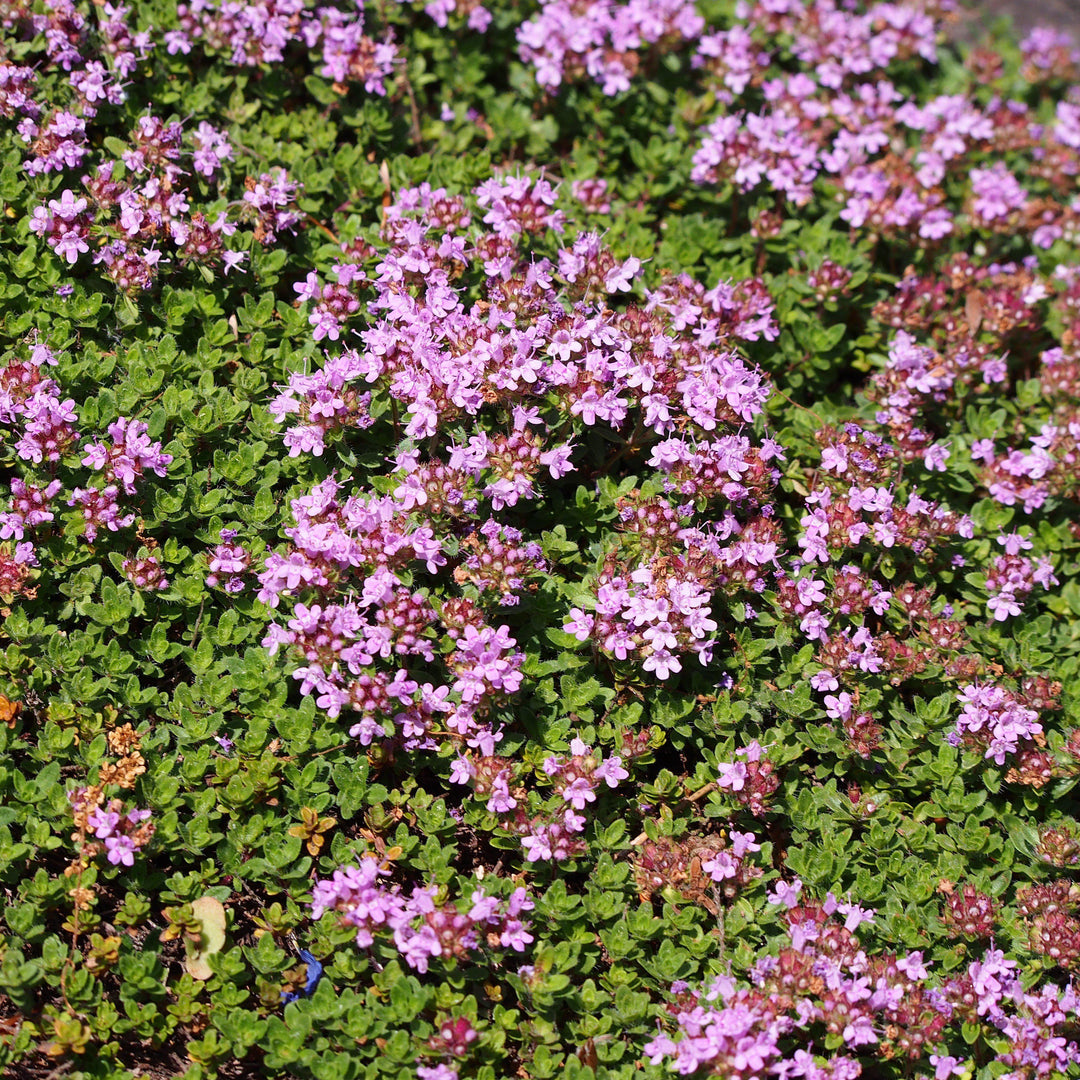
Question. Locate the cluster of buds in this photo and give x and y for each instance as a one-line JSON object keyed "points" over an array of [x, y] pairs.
{"points": [[146, 573], [1059, 844], [201, 241], [155, 146], [454, 1037], [593, 194], [853, 592], [1048, 911], [423, 203], [1041, 693], [829, 281], [1034, 767], [959, 306], [655, 523], [443, 491], [968, 913], [131, 269]]}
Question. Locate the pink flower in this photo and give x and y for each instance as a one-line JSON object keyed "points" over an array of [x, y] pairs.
{"points": [[120, 850]]}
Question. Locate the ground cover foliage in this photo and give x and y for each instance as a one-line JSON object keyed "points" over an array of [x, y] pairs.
{"points": [[540, 540]]}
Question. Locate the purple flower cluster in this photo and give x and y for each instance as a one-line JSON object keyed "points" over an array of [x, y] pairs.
{"points": [[1050, 53], [128, 457], [57, 136], [229, 565], [122, 463], [548, 362], [653, 615], [332, 305], [44, 436], [1028, 477], [249, 34], [30, 507], [139, 213], [17, 565], [421, 929], [603, 39], [343, 643], [839, 125], [1012, 576], [253, 34], [31, 404], [477, 17], [120, 835], [751, 778], [827, 118], [152, 205], [555, 833], [995, 719], [824, 986], [500, 562]]}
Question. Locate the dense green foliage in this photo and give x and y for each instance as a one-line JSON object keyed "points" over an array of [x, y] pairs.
{"points": [[130, 682]]}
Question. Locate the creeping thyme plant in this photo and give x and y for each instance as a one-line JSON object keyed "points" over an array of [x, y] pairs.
{"points": [[538, 539]]}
